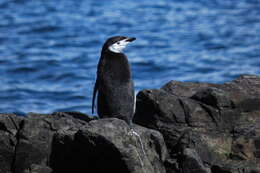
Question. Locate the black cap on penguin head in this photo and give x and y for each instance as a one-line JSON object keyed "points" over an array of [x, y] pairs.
{"points": [[112, 40]]}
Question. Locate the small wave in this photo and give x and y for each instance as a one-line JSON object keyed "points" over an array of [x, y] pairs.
{"points": [[79, 108], [23, 70], [42, 29]]}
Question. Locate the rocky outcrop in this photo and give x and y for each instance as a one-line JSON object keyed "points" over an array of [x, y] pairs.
{"points": [[26, 142], [183, 127], [107, 145], [74, 142], [207, 127]]}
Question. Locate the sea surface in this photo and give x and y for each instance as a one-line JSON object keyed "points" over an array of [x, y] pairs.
{"points": [[49, 49]]}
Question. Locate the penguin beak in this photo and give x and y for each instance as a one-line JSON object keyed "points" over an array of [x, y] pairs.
{"points": [[130, 39]]}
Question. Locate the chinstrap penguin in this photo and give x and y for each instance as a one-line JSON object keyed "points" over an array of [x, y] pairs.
{"points": [[114, 85]]}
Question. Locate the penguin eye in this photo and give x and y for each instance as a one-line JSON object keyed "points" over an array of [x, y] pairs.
{"points": [[117, 43]]}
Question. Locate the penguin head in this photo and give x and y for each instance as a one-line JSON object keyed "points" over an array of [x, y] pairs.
{"points": [[117, 44]]}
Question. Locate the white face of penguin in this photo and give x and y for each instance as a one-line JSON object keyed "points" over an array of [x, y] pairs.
{"points": [[119, 46]]}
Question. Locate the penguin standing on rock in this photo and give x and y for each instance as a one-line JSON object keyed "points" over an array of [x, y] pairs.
{"points": [[114, 84]]}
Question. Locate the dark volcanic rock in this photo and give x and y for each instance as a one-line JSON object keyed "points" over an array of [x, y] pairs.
{"points": [[26, 141], [9, 127], [108, 146], [191, 162], [38, 169], [206, 127], [74, 142], [244, 87], [214, 97], [35, 137]]}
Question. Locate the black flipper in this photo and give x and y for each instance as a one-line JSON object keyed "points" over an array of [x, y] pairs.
{"points": [[96, 87], [94, 96]]}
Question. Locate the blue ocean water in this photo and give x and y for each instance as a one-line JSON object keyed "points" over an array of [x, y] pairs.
{"points": [[49, 49]]}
